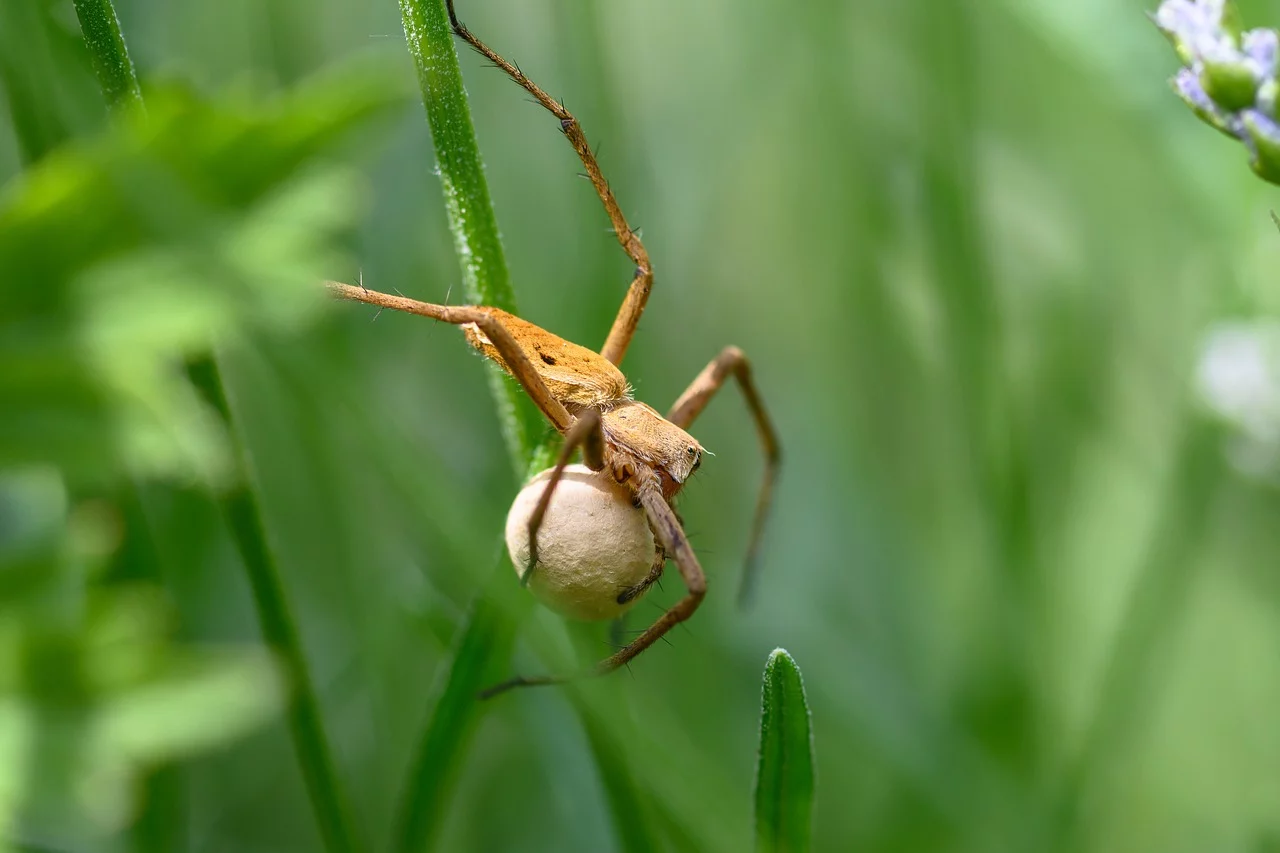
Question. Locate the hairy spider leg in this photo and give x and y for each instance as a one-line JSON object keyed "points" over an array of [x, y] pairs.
{"points": [[624, 325], [484, 319], [733, 362]]}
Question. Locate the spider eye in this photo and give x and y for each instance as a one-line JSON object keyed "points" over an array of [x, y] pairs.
{"points": [[693, 451], [697, 462]]}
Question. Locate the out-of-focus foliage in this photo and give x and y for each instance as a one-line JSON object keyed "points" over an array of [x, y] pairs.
{"points": [[125, 254], [981, 259], [122, 255]]}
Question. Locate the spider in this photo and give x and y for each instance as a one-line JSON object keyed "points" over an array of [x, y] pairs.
{"points": [[588, 400]]}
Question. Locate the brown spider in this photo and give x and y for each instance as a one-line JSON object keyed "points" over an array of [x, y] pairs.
{"points": [[587, 399]]}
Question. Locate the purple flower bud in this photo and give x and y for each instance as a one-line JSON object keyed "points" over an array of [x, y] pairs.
{"points": [[1261, 46], [1263, 140], [1187, 84]]}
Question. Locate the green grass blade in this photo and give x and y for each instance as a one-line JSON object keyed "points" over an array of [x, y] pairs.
{"points": [[239, 507], [631, 821], [110, 57], [784, 775], [487, 636], [1155, 609], [29, 80], [483, 643], [474, 225]]}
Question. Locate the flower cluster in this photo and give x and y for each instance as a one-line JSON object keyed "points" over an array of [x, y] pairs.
{"points": [[1230, 76]]}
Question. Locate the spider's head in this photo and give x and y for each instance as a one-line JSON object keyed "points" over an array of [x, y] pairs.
{"points": [[638, 430]]}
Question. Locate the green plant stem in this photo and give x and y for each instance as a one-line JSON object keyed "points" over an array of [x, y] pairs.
{"points": [[240, 509], [486, 638], [485, 279], [239, 505], [111, 61]]}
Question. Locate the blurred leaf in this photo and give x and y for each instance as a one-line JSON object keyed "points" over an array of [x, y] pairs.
{"points": [[196, 702], [627, 799], [784, 774], [121, 256], [91, 699], [484, 644]]}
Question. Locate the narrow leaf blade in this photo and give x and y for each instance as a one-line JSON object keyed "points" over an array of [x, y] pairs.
{"points": [[784, 775]]}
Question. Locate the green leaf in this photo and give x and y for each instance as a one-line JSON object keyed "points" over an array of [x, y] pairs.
{"points": [[784, 774], [627, 800], [124, 255], [198, 701], [483, 647]]}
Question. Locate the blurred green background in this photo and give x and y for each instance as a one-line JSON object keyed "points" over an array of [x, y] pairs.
{"points": [[974, 254]]}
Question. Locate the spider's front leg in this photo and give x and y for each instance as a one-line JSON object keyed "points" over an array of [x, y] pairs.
{"points": [[586, 433], [733, 362], [674, 544]]}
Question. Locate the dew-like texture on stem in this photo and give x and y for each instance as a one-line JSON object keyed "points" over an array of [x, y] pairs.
{"points": [[110, 56], [486, 637], [472, 222]]}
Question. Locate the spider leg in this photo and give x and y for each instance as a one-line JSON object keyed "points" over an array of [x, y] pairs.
{"points": [[521, 368], [732, 362], [624, 325], [655, 574], [672, 538], [587, 433]]}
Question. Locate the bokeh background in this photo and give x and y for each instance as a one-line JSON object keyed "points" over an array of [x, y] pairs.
{"points": [[979, 255]]}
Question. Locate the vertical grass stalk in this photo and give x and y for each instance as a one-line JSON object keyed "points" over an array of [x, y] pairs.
{"points": [[242, 512], [239, 506], [485, 279], [101, 29], [486, 638]]}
